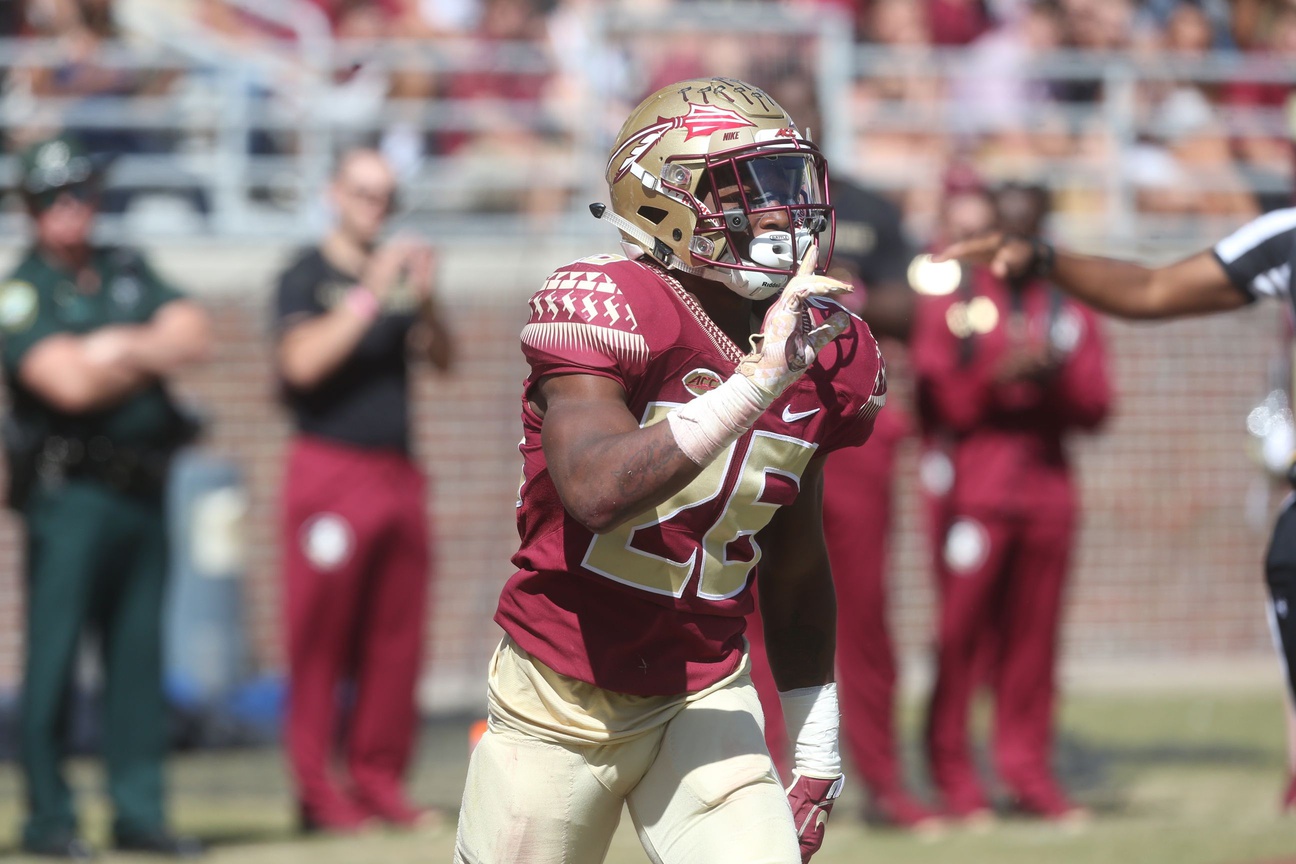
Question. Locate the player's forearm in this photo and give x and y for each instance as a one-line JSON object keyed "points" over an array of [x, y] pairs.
{"points": [[804, 654], [800, 619], [605, 479], [313, 350]]}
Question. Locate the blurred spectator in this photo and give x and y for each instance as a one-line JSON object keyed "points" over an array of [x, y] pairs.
{"points": [[1250, 20], [998, 87], [509, 155], [899, 112], [11, 17], [1182, 164], [1188, 29], [86, 91], [507, 28], [1005, 370], [1261, 140], [86, 28], [1011, 109], [11, 25], [91, 335], [339, 11], [352, 102], [1248, 265], [355, 540], [957, 22], [1214, 15]]}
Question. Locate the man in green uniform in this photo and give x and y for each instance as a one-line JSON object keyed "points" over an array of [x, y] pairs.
{"points": [[89, 336]]}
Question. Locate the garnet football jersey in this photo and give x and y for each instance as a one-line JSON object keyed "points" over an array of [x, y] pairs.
{"points": [[656, 606]]}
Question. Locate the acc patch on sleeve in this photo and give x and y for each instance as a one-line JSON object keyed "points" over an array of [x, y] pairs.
{"points": [[19, 303]]}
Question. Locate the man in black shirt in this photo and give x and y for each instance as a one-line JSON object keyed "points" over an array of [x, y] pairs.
{"points": [[354, 523]]}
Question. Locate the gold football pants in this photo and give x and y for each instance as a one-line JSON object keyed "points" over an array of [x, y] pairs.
{"points": [[699, 785]]}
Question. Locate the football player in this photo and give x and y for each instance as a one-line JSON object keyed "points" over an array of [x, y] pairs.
{"points": [[664, 465], [1254, 262]]}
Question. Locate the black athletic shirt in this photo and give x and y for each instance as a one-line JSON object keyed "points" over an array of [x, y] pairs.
{"points": [[1258, 257], [870, 242], [365, 402]]}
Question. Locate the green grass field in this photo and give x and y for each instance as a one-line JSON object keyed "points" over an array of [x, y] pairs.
{"points": [[1172, 779]]}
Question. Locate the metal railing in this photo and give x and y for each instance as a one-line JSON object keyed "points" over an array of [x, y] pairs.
{"points": [[241, 142]]}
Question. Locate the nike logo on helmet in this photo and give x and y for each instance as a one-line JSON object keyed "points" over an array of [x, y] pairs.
{"points": [[790, 416]]}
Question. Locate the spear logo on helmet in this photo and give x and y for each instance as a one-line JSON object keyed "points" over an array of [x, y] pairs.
{"points": [[700, 120]]}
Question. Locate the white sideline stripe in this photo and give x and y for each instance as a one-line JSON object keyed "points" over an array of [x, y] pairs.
{"points": [[1254, 233]]}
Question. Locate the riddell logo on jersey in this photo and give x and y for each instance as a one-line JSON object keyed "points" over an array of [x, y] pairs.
{"points": [[701, 381]]}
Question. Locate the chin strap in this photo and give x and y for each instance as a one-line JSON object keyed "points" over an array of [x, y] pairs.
{"points": [[651, 244]]}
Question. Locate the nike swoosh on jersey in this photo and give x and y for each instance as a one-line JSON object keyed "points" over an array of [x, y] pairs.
{"points": [[790, 416]]}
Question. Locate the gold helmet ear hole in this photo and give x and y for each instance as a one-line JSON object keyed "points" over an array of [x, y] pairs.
{"points": [[655, 215]]}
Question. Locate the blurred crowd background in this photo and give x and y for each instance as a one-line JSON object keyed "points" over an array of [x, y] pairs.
{"points": [[1158, 126], [1142, 112]]}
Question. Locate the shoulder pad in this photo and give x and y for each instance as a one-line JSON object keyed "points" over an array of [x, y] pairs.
{"points": [[586, 292], [581, 311]]}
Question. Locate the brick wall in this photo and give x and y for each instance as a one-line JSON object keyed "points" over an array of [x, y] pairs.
{"points": [[1168, 565]]}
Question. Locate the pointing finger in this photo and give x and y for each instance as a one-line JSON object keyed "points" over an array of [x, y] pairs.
{"points": [[809, 262], [829, 330]]}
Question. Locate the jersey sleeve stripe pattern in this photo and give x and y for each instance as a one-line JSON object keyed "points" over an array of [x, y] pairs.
{"points": [[1257, 257], [877, 399], [870, 408], [562, 337]]}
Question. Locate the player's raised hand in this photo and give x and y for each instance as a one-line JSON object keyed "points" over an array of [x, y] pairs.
{"points": [[1007, 256], [787, 345], [811, 800]]}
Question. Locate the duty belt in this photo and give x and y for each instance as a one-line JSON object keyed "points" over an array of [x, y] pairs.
{"points": [[138, 471]]}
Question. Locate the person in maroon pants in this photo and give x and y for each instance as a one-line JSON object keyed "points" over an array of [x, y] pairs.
{"points": [[355, 535], [1004, 371]]}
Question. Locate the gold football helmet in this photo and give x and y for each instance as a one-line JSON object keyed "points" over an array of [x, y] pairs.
{"points": [[699, 165]]}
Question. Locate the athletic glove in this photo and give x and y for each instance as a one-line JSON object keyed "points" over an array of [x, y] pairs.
{"points": [[812, 720], [811, 800], [786, 345], [705, 426]]}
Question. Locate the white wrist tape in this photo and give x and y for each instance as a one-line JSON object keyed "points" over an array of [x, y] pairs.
{"points": [[812, 720], [704, 427]]}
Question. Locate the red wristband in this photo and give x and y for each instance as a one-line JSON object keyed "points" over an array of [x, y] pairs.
{"points": [[363, 303]]}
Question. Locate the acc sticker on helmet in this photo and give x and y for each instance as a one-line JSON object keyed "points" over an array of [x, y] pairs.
{"points": [[327, 541], [19, 303]]}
